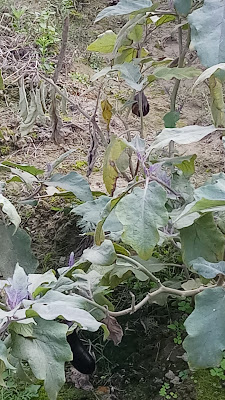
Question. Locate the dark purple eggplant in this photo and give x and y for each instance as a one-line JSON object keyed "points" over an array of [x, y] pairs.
{"points": [[82, 359], [145, 105]]}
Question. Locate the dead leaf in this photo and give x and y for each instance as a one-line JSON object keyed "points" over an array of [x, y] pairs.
{"points": [[116, 332], [106, 112]]}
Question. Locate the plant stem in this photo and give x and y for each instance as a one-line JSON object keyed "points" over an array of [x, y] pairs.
{"points": [[140, 267], [182, 54]]}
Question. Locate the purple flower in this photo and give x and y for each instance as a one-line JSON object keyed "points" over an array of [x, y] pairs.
{"points": [[71, 259], [17, 290], [156, 170]]}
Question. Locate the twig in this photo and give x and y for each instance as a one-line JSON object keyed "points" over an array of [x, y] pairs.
{"points": [[76, 106], [62, 49]]}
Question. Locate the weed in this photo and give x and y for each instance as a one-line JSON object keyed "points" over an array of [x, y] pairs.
{"points": [[17, 14], [14, 390], [82, 78], [166, 393], [178, 328], [219, 371]]}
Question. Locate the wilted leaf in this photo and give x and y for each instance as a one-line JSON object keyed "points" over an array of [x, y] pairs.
{"points": [[1, 81], [112, 154], [216, 102], [115, 330], [106, 111]]}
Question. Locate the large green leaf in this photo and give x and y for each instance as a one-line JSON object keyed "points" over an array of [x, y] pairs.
{"points": [[202, 239], [178, 73], [207, 269], [55, 304], [104, 43], [183, 7], [91, 215], [72, 182], [207, 32], [112, 154], [124, 7], [214, 189], [205, 342], [46, 353], [141, 213], [100, 255], [186, 135], [15, 248]]}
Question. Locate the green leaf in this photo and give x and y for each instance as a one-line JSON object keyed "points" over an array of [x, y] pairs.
{"points": [[164, 19], [202, 239], [187, 166], [46, 353], [176, 72], [112, 154], [27, 168], [121, 250], [91, 214], [186, 135], [214, 189], [136, 33], [9, 209], [205, 327], [15, 248], [128, 71], [2, 86], [72, 182], [104, 43], [71, 307], [207, 38], [100, 255], [170, 119], [183, 7], [25, 330], [124, 7], [208, 270], [141, 213], [126, 55]]}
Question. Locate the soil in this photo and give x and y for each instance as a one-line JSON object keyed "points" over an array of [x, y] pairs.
{"points": [[147, 356]]}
